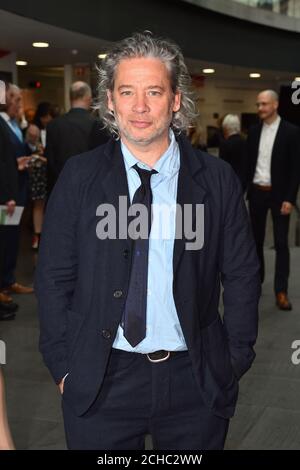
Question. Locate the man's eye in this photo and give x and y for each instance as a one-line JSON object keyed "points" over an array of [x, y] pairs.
{"points": [[154, 93], [126, 93]]}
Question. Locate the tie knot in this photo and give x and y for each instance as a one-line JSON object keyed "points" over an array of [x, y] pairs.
{"points": [[145, 175]]}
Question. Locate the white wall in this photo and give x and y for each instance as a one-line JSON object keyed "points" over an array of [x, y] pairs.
{"points": [[225, 96]]}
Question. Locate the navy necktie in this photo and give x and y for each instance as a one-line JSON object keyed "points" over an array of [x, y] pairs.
{"points": [[134, 317]]}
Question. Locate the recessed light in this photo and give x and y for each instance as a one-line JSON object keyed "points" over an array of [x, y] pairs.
{"points": [[40, 44], [102, 56], [21, 62], [208, 70], [254, 75]]}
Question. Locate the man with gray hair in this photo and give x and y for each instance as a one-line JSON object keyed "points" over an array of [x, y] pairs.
{"points": [[273, 173], [130, 328], [15, 178], [75, 132], [233, 148]]}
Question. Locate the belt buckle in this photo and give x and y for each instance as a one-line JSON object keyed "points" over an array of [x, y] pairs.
{"points": [[165, 358]]}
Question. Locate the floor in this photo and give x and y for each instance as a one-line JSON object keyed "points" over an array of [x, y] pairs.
{"points": [[268, 411]]}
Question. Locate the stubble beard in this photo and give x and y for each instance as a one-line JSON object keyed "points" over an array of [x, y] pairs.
{"points": [[143, 141]]}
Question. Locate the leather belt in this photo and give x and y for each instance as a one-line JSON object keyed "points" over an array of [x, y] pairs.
{"points": [[263, 187], [155, 357], [161, 355]]}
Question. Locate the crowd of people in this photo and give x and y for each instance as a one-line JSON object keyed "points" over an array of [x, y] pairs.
{"points": [[32, 156]]}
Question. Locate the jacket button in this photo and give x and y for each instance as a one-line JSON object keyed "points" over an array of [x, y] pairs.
{"points": [[126, 254], [106, 334], [118, 294]]}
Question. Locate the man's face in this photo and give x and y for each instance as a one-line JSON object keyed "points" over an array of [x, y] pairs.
{"points": [[266, 105], [142, 101], [46, 119], [33, 134], [14, 102]]}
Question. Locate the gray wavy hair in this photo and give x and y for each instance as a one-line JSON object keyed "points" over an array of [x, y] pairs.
{"points": [[232, 124], [146, 45]]}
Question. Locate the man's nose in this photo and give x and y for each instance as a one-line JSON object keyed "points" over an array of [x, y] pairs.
{"points": [[140, 104]]}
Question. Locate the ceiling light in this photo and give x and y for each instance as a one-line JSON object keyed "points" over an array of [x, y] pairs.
{"points": [[40, 44], [254, 75], [102, 56], [21, 62], [208, 70]]}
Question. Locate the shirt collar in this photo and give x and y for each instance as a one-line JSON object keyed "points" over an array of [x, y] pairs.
{"points": [[5, 116], [167, 165], [274, 124]]}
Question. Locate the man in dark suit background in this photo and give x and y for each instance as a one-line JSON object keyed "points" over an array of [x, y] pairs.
{"points": [[75, 132], [273, 180], [130, 327], [233, 147], [8, 196], [14, 148]]}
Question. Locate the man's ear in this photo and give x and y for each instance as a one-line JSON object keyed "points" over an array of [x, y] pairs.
{"points": [[177, 102], [110, 102]]}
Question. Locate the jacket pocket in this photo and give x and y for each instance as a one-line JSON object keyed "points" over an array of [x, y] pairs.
{"points": [[216, 353]]}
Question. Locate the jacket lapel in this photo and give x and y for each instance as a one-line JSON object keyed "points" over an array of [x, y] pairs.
{"points": [[276, 144], [256, 145], [190, 191], [115, 184]]}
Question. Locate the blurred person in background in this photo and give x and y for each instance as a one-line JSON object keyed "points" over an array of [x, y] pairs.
{"points": [[8, 198], [29, 115], [37, 180], [16, 150], [21, 120], [73, 133], [44, 114], [233, 147], [196, 135], [273, 173]]}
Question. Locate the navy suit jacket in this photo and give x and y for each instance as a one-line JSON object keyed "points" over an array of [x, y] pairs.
{"points": [[8, 166], [18, 149], [82, 281]]}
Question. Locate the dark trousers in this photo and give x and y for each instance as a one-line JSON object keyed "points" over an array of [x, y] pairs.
{"points": [[259, 204], [139, 398], [2, 250], [12, 234]]}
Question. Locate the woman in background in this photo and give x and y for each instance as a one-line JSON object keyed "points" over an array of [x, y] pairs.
{"points": [[37, 180], [44, 114], [36, 139]]}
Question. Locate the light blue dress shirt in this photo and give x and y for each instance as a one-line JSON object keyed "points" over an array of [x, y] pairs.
{"points": [[163, 330], [12, 123]]}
